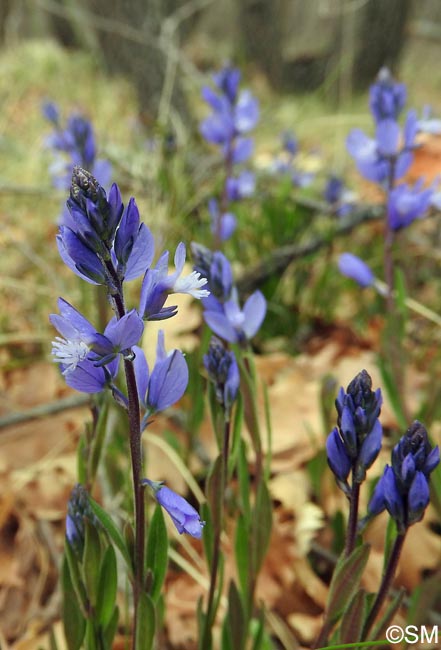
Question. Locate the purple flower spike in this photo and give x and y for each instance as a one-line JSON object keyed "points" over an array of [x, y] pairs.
{"points": [[184, 516], [386, 97], [353, 267]]}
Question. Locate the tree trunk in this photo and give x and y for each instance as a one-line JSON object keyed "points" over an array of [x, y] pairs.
{"points": [[381, 36]]}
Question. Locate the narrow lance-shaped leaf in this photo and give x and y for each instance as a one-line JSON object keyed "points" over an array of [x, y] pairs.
{"points": [[262, 524], [91, 561], [157, 552], [353, 619], [107, 587], [113, 532], [214, 492], [345, 582], [235, 617], [73, 618], [145, 628]]}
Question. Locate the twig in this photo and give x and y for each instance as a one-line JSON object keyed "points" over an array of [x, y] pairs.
{"points": [[44, 410], [282, 257]]}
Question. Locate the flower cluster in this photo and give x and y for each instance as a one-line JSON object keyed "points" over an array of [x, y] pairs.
{"points": [[403, 489], [356, 442], [222, 310], [105, 243], [338, 197], [73, 144], [386, 158], [234, 114], [286, 164]]}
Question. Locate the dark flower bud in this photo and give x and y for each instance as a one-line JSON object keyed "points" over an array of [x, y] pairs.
{"points": [[88, 195], [220, 278], [387, 97], [78, 509], [223, 371], [203, 258], [338, 458]]}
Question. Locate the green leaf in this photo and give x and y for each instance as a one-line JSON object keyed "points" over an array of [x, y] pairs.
{"points": [[262, 525], [111, 628], [354, 618], [208, 536], [98, 439], [113, 532], [90, 639], [242, 553], [73, 620], [244, 482], [76, 578], [82, 460], [214, 491], [345, 582], [236, 437], [145, 628], [107, 587], [91, 561], [226, 642], [236, 617], [157, 552]]}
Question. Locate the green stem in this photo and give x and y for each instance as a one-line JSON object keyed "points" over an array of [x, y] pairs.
{"points": [[210, 613]]}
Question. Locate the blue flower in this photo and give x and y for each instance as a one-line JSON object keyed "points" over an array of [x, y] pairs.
{"points": [[184, 516], [234, 324], [224, 224], [405, 204], [82, 352], [377, 158], [157, 285], [353, 267], [167, 382]]}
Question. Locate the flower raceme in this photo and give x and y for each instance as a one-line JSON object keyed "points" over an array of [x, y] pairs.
{"points": [[234, 114], [75, 144], [356, 441], [403, 489]]}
